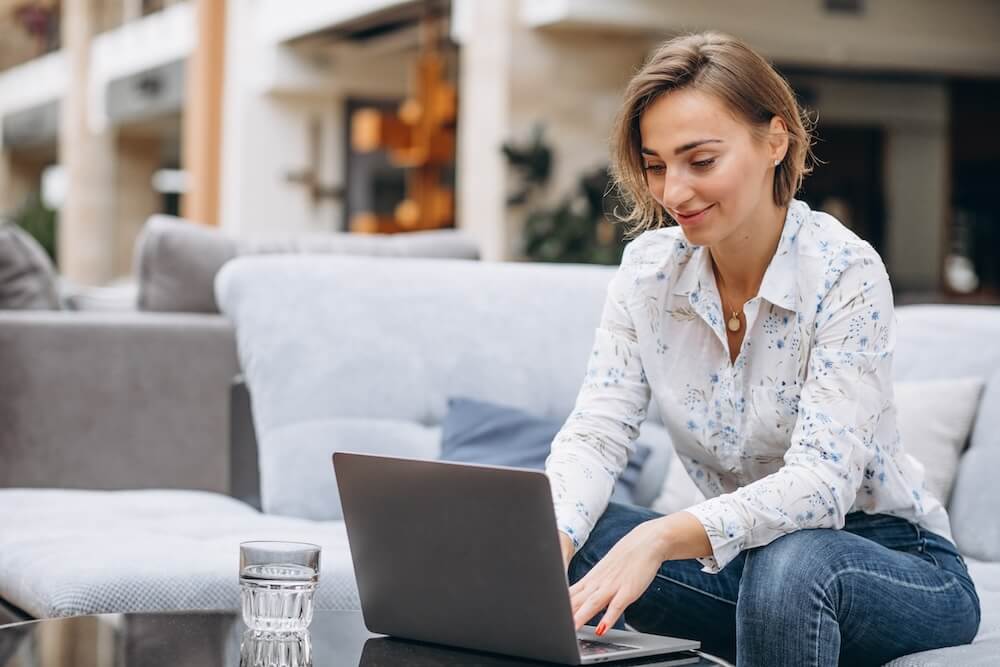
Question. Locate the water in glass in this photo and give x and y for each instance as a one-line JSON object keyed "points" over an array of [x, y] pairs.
{"points": [[277, 581]]}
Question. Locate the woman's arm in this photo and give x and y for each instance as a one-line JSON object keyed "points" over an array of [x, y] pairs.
{"points": [[840, 426], [683, 537], [591, 449]]}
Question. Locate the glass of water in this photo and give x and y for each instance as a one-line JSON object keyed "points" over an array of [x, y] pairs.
{"points": [[277, 581], [268, 649]]}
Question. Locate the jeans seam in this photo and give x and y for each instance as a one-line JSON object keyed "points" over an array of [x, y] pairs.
{"points": [[819, 623], [696, 590], [857, 570]]}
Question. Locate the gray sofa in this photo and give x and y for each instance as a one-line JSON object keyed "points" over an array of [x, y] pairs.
{"points": [[361, 354], [128, 386]]}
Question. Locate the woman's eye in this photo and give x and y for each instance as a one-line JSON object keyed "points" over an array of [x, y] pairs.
{"points": [[655, 168], [704, 163]]}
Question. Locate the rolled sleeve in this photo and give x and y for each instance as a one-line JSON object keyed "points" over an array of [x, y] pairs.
{"points": [[591, 449], [841, 416]]}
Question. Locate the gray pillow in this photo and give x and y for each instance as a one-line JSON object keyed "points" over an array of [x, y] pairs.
{"points": [[176, 262], [28, 279], [481, 432]]}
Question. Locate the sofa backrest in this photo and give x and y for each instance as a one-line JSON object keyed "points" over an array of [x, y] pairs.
{"points": [[128, 400], [408, 333], [176, 260], [356, 353], [936, 342], [363, 353]]}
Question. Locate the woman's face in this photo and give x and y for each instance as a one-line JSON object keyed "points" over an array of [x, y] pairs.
{"points": [[705, 167]]}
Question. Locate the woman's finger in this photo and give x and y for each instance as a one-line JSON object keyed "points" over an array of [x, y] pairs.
{"points": [[585, 584], [575, 601], [590, 607], [615, 609]]}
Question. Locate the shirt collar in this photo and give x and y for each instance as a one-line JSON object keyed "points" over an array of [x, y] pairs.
{"points": [[780, 283]]}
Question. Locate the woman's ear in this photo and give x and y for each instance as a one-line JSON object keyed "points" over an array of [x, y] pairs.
{"points": [[777, 139]]}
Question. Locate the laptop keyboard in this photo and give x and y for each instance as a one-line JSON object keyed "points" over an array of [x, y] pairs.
{"points": [[588, 647]]}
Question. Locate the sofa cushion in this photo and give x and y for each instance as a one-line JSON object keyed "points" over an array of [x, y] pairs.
{"points": [[323, 337], [976, 494], [679, 491], [144, 551], [962, 341], [491, 434], [132, 551], [118, 297], [935, 418], [28, 279], [176, 260], [296, 459]]}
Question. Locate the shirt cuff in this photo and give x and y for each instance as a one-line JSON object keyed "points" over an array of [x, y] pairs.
{"points": [[575, 526], [725, 532]]}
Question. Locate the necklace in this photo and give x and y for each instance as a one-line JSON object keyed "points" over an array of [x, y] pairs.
{"points": [[734, 322]]}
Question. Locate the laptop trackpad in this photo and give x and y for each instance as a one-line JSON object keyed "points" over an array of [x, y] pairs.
{"points": [[589, 647]]}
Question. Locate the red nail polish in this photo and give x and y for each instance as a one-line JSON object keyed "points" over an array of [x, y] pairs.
{"points": [[601, 629]]}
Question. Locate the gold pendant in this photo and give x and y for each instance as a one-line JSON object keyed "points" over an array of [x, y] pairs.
{"points": [[734, 322]]}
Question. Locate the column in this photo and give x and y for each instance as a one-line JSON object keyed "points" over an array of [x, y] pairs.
{"points": [[202, 121], [86, 220], [138, 159]]}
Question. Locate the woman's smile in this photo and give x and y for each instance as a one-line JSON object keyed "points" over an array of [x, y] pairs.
{"points": [[693, 216]]}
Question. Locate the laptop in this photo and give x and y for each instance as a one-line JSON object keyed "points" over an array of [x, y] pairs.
{"points": [[468, 556]]}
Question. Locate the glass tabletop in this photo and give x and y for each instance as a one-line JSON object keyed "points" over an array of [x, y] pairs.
{"points": [[207, 639]]}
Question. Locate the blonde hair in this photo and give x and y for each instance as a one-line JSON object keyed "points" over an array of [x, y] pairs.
{"points": [[737, 75]]}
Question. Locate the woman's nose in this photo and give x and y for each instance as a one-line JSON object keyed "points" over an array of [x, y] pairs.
{"points": [[675, 193]]}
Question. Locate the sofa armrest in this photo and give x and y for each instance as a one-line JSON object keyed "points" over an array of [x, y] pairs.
{"points": [[244, 471], [115, 400]]}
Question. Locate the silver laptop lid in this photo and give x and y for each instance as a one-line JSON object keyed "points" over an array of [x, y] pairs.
{"points": [[457, 554]]}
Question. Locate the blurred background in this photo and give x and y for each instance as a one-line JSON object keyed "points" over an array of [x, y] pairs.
{"points": [[289, 117]]}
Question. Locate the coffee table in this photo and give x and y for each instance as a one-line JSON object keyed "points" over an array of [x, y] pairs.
{"points": [[211, 639]]}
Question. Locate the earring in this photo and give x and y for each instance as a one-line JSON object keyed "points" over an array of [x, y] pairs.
{"points": [[777, 162]]}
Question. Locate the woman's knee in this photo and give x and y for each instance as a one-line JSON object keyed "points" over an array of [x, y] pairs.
{"points": [[791, 566]]}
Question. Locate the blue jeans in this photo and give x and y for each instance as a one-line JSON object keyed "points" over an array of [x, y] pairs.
{"points": [[879, 588]]}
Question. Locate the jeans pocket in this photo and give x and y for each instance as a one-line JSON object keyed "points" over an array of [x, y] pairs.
{"points": [[891, 532]]}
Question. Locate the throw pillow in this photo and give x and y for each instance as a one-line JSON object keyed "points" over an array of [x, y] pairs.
{"points": [[476, 431], [176, 262], [679, 491], [935, 419], [28, 280], [296, 473]]}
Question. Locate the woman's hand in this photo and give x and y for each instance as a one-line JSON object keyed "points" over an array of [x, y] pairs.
{"points": [[621, 577]]}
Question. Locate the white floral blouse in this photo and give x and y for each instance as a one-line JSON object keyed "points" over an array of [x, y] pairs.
{"points": [[797, 433]]}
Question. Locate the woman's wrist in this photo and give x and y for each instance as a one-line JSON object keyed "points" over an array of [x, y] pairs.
{"points": [[567, 547], [681, 536]]}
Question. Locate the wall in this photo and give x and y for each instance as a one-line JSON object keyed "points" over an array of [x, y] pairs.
{"points": [[273, 93], [954, 37], [483, 31], [513, 76], [914, 116], [567, 62], [574, 83]]}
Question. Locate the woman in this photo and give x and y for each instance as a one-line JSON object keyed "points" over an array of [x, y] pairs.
{"points": [[764, 331]]}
